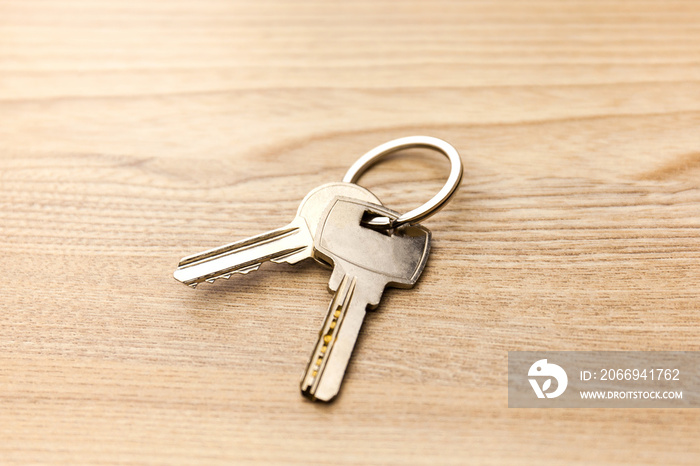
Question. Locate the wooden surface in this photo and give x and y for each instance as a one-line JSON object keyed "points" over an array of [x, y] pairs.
{"points": [[133, 133]]}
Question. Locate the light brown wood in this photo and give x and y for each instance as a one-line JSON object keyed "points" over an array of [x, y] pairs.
{"points": [[133, 133]]}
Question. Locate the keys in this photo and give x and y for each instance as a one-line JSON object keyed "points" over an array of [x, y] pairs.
{"points": [[367, 255], [364, 261], [290, 244]]}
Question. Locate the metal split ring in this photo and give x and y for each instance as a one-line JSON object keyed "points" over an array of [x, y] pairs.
{"points": [[433, 205]]}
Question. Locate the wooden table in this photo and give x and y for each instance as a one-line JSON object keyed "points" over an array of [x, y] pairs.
{"points": [[133, 133]]}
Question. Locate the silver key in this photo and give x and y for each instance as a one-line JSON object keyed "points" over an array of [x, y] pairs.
{"points": [[290, 244], [365, 261]]}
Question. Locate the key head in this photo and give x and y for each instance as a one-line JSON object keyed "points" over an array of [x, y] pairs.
{"points": [[395, 258], [315, 204]]}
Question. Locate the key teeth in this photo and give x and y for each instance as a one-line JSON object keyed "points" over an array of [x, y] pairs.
{"points": [[285, 257], [254, 267], [249, 269], [227, 275]]}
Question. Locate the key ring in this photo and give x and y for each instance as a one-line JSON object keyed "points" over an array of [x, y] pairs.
{"points": [[433, 205]]}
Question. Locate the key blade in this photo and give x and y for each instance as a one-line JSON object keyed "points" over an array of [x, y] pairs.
{"points": [[326, 368], [290, 244]]}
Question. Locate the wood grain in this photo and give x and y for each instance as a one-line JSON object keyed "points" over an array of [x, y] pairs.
{"points": [[133, 133]]}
